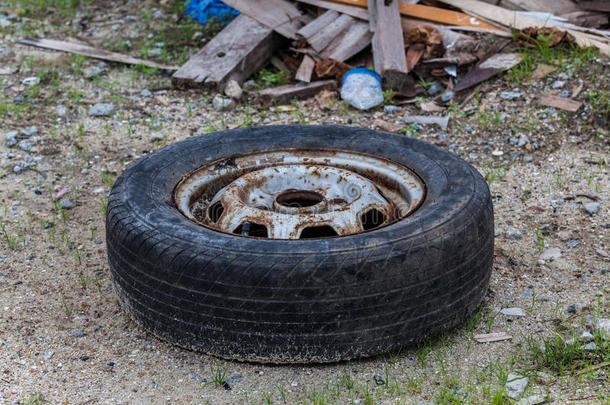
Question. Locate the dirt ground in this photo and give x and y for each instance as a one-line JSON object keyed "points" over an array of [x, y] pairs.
{"points": [[65, 339]]}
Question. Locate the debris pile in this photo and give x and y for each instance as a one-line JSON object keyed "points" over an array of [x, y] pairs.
{"points": [[435, 48]]}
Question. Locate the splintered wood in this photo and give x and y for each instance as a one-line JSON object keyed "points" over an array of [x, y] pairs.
{"points": [[388, 43], [239, 50]]}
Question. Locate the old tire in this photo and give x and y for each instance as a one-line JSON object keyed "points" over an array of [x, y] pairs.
{"points": [[318, 300]]}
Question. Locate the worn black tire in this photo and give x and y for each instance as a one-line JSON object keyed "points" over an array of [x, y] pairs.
{"points": [[281, 301]]}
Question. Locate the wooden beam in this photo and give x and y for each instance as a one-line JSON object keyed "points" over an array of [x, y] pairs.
{"points": [[324, 37], [512, 19], [318, 24], [388, 43], [280, 15], [91, 52], [354, 40], [286, 93], [240, 49], [305, 69], [429, 13]]}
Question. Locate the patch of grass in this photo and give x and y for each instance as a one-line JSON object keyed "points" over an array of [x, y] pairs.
{"points": [[63, 8], [563, 354], [495, 173], [35, 399], [270, 78], [219, 376]]}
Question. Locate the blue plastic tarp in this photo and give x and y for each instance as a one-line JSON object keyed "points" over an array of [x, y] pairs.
{"points": [[205, 10]]}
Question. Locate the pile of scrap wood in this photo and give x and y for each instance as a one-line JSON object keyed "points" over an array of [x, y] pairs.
{"points": [[317, 41]]}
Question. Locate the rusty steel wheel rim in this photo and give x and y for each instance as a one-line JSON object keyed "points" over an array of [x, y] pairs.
{"points": [[299, 194]]}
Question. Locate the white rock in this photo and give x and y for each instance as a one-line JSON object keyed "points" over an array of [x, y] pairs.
{"points": [[31, 81], [47, 356], [591, 207], [533, 400], [551, 253], [514, 311], [515, 385], [98, 190], [233, 90], [101, 110], [590, 347], [586, 337], [603, 327], [513, 233], [156, 136], [221, 103]]}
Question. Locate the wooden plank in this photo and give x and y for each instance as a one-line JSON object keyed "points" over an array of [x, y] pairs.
{"points": [[595, 5], [354, 40], [354, 11], [286, 93], [562, 103], [429, 13], [492, 337], [305, 69], [318, 24], [324, 37], [91, 52], [240, 49], [512, 19], [550, 6], [280, 15], [388, 43]]}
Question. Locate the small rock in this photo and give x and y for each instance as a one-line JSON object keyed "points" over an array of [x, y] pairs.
{"points": [[572, 309], [603, 327], [591, 207], [76, 333], [565, 93], [157, 136], [551, 253], [514, 311], [513, 233], [586, 336], [447, 96], [29, 131], [433, 89], [221, 103], [557, 84], [249, 85], [589, 347], [146, 93], [84, 357], [25, 145], [101, 110], [391, 109], [61, 110], [233, 90], [572, 243], [544, 378], [523, 140], [510, 95], [11, 138], [98, 190], [92, 72], [66, 204], [533, 400], [31, 81], [47, 355], [527, 293], [158, 14], [515, 385], [154, 52]]}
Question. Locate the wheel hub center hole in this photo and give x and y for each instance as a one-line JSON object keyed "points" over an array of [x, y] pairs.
{"points": [[299, 198]]}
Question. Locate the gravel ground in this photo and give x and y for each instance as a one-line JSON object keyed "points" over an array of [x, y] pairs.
{"points": [[65, 339]]}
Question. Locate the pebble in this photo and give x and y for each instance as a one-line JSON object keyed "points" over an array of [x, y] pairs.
{"points": [[76, 333], [156, 136], [98, 190], [61, 110], [589, 347], [515, 385], [233, 90], [158, 14], [527, 293], [513, 233], [146, 93], [586, 336], [565, 93], [603, 327], [572, 243], [26, 145], [47, 355], [249, 85], [558, 84], [433, 89], [221, 103], [101, 110], [447, 96], [551, 253], [533, 400], [510, 95], [84, 357], [523, 140], [66, 204], [11, 138], [497, 152], [154, 52], [29, 131], [391, 109], [591, 207], [572, 309], [514, 311], [31, 81]]}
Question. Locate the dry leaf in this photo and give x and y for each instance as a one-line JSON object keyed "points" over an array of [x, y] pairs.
{"points": [[331, 68], [427, 35], [325, 99], [388, 126], [533, 36], [542, 70]]}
